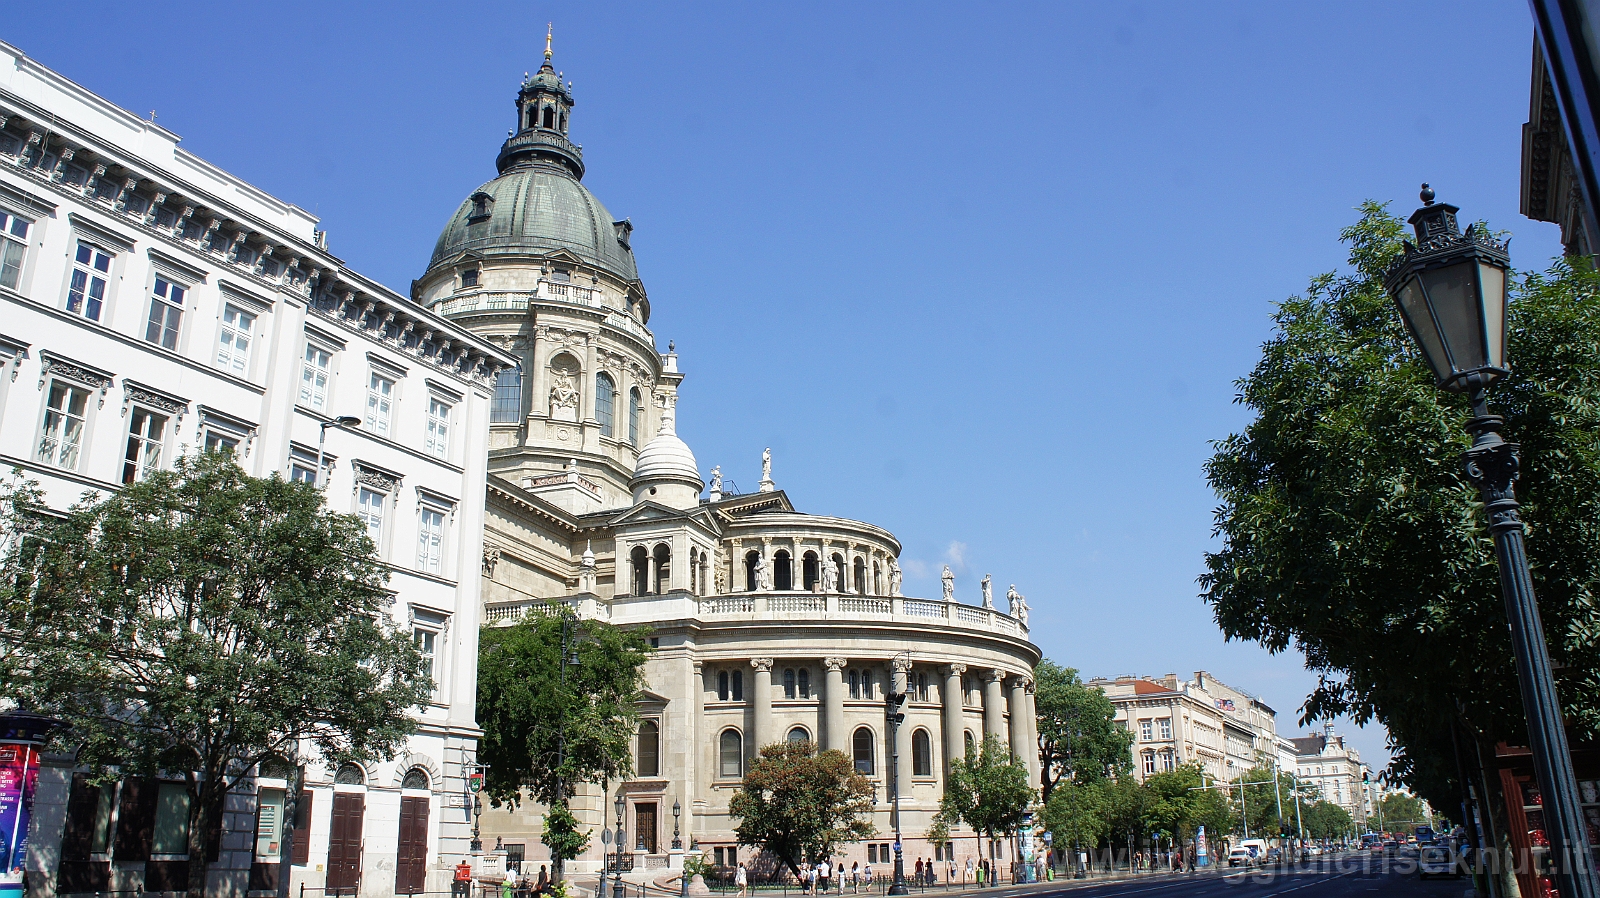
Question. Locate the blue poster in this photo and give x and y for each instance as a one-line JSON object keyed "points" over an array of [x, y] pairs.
{"points": [[19, 773]]}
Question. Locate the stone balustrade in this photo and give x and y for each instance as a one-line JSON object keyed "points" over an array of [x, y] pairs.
{"points": [[798, 606]]}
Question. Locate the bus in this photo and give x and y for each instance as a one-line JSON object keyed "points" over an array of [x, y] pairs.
{"points": [[1425, 835]]}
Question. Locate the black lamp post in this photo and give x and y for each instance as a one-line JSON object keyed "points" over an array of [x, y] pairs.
{"points": [[894, 710], [677, 809], [1451, 291], [621, 804]]}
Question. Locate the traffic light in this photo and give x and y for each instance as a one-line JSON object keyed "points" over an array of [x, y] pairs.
{"points": [[893, 707], [1366, 777]]}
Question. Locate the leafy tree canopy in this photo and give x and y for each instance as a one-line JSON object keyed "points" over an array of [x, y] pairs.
{"points": [[1079, 737], [1402, 811], [202, 620], [1325, 820], [988, 790], [798, 803], [1078, 814], [545, 730], [1350, 532]]}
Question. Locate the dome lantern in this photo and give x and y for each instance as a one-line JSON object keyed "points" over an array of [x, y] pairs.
{"points": [[544, 106]]}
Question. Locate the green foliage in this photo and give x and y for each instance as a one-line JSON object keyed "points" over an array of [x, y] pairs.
{"points": [[1402, 811], [525, 707], [1079, 737], [1078, 813], [1262, 801], [1350, 533], [1325, 820], [697, 863], [201, 621], [562, 835], [988, 790], [798, 803]]}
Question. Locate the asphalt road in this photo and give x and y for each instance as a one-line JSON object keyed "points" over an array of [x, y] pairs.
{"points": [[1344, 876]]}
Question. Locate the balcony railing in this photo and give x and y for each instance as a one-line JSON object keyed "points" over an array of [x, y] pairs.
{"points": [[514, 301]]}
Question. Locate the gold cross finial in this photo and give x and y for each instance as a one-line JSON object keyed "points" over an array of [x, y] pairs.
{"points": [[550, 30]]}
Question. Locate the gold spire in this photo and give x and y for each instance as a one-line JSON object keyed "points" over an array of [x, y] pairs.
{"points": [[550, 30]]}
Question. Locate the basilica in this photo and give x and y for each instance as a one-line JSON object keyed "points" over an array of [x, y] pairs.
{"points": [[768, 623]]}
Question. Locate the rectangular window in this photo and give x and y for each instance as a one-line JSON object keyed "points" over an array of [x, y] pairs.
{"points": [[427, 642], [62, 434], [166, 309], [146, 430], [302, 469], [269, 825], [1145, 733], [1149, 762], [233, 345], [314, 374], [430, 540], [218, 441], [171, 832], [1166, 727], [13, 247], [469, 278], [369, 508], [380, 402], [86, 294], [507, 405], [437, 440]]}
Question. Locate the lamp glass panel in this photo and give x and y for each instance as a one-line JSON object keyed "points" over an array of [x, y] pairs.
{"points": [[1453, 294], [1494, 311], [1415, 309]]}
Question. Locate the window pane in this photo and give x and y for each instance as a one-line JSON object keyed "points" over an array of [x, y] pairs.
{"points": [[171, 832], [604, 398], [370, 509], [507, 405]]}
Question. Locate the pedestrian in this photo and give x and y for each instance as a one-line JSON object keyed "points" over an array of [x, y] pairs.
{"points": [[855, 876], [968, 877], [506, 886], [741, 879], [866, 874], [542, 885], [952, 880], [824, 871]]}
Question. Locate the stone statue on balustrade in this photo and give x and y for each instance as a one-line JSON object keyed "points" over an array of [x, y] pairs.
{"points": [[716, 479], [830, 576], [763, 574], [949, 580], [988, 592], [1019, 605], [894, 577]]}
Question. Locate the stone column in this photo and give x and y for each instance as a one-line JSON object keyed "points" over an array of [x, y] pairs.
{"points": [[955, 747], [993, 718], [537, 361], [735, 564], [1019, 719], [902, 736], [761, 727], [1033, 734], [833, 734]]}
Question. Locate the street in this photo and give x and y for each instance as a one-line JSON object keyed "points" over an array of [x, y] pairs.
{"points": [[1345, 876]]}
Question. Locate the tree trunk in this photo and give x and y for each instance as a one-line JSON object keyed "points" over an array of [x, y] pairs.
{"points": [[200, 818]]}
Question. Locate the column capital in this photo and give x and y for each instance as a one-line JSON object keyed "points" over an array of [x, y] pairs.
{"points": [[762, 664], [954, 670], [835, 663], [994, 675]]}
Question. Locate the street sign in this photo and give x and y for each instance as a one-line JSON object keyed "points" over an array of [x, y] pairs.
{"points": [[475, 782], [1049, 837], [897, 848], [605, 836]]}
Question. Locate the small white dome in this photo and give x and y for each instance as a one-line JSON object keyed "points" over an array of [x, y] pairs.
{"points": [[666, 456]]}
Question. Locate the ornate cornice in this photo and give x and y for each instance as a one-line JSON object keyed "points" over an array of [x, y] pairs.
{"points": [[378, 478], [52, 365]]}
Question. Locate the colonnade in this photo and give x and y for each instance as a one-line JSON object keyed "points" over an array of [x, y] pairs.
{"points": [[1017, 730]]}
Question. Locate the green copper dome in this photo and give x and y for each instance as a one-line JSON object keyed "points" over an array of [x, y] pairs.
{"points": [[533, 210], [537, 205]]}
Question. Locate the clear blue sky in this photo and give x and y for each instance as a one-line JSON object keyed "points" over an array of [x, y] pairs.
{"points": [[983, 274]]}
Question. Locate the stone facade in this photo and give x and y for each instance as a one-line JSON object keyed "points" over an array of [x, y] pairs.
{"points": [[1175, 721], [152, 305], [769, 623], [1326, 763]]}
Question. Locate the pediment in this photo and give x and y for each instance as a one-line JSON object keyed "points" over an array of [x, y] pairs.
{"points": [[651, 700]]}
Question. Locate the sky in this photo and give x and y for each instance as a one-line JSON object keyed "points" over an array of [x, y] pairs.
{"points": [[982, 274]]}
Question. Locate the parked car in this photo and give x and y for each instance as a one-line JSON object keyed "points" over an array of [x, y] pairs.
{"points": [[1240, 857], [1437, 860]]}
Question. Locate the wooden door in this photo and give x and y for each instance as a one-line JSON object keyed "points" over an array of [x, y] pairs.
{"points": [[411, 862], [344, 842], [644, 820]]}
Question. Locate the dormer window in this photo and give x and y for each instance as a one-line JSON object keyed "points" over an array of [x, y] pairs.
{"points": [[561, 276], [469, 278], [480, 206]]}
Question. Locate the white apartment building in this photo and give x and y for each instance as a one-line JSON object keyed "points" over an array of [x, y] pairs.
{"points": [[1202, 720], [1334, 769], [153, 305]]}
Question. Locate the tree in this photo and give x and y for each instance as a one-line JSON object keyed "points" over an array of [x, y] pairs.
{"points": [[202, 620], [1077, 814], [1326, 820], [988, 790], [545, 729], [1175, 800], [1402, 811], [1079, 737], [798, 803], [1350, 532]]}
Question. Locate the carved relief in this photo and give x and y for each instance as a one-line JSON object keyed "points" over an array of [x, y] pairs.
{"points": [[378, 480], [132, 393], [491, 557]]}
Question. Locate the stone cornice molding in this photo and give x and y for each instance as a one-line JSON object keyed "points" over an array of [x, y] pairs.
{"points": [[149, 396]]}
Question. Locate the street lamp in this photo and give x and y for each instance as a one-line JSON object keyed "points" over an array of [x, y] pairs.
{"points": [[621, 804], [1451, 290], [677, 809], [346, 421], [894, 710]]}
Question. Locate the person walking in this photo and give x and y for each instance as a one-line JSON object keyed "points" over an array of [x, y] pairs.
{"points": [[824, 872], [866, 874], [952, 880], [542, 884], [855, 877], [968, 877], [741, 879]]}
